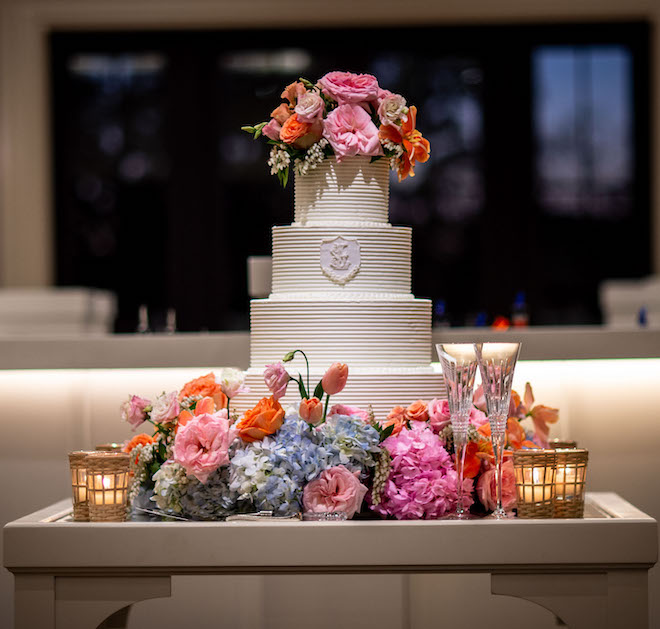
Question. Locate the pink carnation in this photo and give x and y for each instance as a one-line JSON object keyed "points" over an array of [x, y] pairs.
{"points": [[202, 445], [276, 378], [134, 411], [336, 489], [487, 488], [350, 131], [348, 88], [422, 481], [345, 409]]}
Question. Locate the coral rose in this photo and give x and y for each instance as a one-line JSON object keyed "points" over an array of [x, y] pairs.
{"points": [[134, 410], [417, 411], [396, 418], [311, 410], [336, 489], [300, 134], [350, 131], [204, 386], [202, 445], [263, 420], [487, 488], [334, 379], [349, 88], [277, 379], [139, 440]]}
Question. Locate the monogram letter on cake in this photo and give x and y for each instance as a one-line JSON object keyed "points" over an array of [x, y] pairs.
{"points": [[340, 259]]}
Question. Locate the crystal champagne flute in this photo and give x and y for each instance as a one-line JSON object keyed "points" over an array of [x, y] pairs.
{"points": [[459, 367], [497, 362]]}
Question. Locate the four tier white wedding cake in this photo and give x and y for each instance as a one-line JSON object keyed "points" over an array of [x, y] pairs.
{"points": [[341, 292]]}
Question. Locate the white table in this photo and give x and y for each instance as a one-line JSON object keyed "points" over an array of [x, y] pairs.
{"points": [[591, 572]]}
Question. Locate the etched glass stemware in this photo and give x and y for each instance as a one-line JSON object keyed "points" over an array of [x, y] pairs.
{"points": [[497, 362], [459, 367]]}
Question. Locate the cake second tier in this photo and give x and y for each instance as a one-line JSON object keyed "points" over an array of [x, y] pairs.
{"points": [[367, 333]]}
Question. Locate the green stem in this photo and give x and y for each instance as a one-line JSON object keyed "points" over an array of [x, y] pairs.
{"points": [[325, 410], [228, 400]]}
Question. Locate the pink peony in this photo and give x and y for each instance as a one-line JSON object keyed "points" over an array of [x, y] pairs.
{"points": [[353, 411], [392, 109], [276, 378], [310, 107], [334, 379], [202, 445], [134, 411], [165, 408], [336, 489], [422, 481], [272, 129], [348, 88], [350, 131], [487, 488]]}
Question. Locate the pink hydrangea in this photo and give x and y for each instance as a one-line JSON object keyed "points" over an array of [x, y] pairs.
{"points": [[134, 410], [350, 131], [202, 445], [349, 88], [422, 481], [336, 489]]}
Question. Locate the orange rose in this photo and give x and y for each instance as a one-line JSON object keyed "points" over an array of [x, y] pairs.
{"points": [[139, 440], [205, 386], [417, 411], [205, 406], [397, 418], [264, 419], [311, 410], [293, 129]]}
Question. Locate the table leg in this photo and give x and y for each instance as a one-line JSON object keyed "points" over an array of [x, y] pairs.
{"points": [[87, 602], [618, 599], [34, 601]]}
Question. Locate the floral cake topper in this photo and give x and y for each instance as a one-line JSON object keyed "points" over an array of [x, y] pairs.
{"points": [[344, 115]]}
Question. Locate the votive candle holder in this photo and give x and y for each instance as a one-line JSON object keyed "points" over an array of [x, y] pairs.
{"points": [[534, 472], [78, 467], [563, 444], [107, 485], [570, 480]]}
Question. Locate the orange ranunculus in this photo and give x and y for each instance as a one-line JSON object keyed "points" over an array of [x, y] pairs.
{"points": [[397, 418], [417, 148], [139, 440], [205, 405], [311, 410], [205, 386], [281, 114], [263, 420], [417, 411]]}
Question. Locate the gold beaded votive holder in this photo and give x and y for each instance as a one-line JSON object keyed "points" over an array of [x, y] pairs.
{"points": [[534, 472], [562, 444], [570, 480], [78, 468], [107, 485]]}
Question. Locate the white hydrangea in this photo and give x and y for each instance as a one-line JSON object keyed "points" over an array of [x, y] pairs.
{"points": [[171, 482]]}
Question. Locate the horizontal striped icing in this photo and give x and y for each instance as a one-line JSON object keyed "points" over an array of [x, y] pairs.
{"points": [[353, 190], [381, 391], [384, 259], [362, 333]]}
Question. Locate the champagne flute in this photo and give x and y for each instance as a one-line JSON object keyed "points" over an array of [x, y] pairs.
{"points": [[497, 362], [459, 367]]}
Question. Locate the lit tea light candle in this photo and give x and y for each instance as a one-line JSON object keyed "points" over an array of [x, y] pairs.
{"points": [[78, 467], [569, 482], [535, 482], [107, 486]]}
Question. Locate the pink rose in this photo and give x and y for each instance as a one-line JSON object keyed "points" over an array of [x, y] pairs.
{"points": [[202, 445], [334, 379], [276, 378], [134, 411], [392, 109], [272, 129], [350, 131], [348, 88], [438, 414], [310, 107], [165, 408], [487, 489], [479, 399], [477, 418], [344, 409], [336, 489]]}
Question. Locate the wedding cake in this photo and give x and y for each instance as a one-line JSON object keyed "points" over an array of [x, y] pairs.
{"points": [[341, 292]]}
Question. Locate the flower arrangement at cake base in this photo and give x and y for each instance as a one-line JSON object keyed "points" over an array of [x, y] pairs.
{"points": [[204, 462]]}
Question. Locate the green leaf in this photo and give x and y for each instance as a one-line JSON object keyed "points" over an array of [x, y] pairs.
{"points": [[301, 388], [286, 176], [308, 84], [318, 392], [385, 433]]}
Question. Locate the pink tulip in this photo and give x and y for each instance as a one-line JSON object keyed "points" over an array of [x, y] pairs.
{"points": [[335, 378], [311, 410]]}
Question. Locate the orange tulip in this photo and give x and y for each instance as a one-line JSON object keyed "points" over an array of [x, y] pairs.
{"points": [[334, 379], [263, 420], [311, 410]]}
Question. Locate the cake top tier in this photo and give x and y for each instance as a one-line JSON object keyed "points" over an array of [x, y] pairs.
{"points": [[353, 192]]}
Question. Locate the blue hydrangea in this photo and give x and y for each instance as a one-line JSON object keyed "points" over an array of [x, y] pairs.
{"points": [[211, 500], [352, 442]]}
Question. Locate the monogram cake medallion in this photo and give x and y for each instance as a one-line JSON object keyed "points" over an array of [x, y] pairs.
{"points": [[340, 259]]}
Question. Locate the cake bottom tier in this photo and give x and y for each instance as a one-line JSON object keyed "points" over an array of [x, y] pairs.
{"points": [[381, 390]]}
